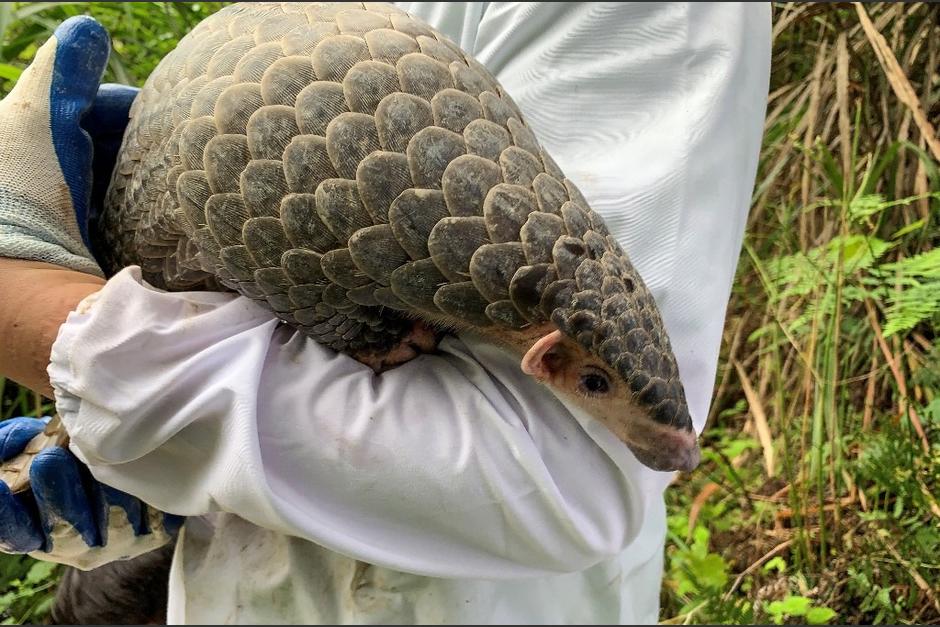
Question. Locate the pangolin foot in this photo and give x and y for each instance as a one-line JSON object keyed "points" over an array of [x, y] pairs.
{"points": [[422, 338]]}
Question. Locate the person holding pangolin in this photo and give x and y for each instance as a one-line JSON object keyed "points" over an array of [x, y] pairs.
{"points": [[454, 487]]}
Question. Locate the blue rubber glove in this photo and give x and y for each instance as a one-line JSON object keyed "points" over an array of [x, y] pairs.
{"points": [[105, 122], [58, 138], [67, 516]]}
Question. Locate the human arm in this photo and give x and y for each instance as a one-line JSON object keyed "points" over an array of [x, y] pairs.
{"points": [[46, 186], [40, 297], [57, 136], [451, 465]]}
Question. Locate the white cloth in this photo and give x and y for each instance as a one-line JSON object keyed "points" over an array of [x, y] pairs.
{"points": [[475, 495]]}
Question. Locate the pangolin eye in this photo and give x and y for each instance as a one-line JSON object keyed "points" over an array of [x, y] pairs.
{"points": [[594, 383]]}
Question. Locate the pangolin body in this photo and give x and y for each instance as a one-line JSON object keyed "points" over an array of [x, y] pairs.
{"points": [[351, 169]]}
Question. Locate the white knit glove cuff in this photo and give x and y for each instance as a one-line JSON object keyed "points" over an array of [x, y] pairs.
{"points": [[26, 232]]}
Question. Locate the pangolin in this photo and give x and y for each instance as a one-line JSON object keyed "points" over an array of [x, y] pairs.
{"points": [[354, 171]]}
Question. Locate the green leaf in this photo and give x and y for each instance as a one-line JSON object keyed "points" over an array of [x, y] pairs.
{"points": [[685, 587], [819, 615], [6, 599], [711, 571], [40, 571], [775, 609], [833, 170], [930, 166], [5, 11], [932, 411], [735, 447], [910, 228], [919, 296], [737, 409], [795, 605], [866, 205], [700, 537], [776, 563], [10, 72]]}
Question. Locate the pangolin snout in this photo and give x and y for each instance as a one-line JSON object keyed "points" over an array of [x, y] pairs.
{"points": [[667, 449]]}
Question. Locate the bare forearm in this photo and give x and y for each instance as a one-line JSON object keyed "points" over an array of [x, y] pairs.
{"points": [[35, 299]]}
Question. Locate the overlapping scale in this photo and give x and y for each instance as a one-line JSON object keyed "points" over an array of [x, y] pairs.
{"points": [[349, 167]]}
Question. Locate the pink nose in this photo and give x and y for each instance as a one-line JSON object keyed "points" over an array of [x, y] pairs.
{"points": [[689, 459], [672, 450]]}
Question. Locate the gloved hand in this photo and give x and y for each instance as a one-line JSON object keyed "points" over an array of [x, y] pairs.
{"points": [[67, 516], [58, 138]]}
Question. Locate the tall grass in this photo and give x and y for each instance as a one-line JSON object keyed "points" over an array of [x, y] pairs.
{"points": [[818, 499]]}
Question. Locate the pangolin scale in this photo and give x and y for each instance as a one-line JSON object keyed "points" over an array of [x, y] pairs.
{"points": [[351, 169]]}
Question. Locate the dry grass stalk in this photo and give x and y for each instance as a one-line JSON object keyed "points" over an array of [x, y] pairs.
{"points": [[757, 564], [892, 360], [869, 407], [822, 61], [698, 503], [899, 82], [760, 419], [842, 96], [925, 587]]}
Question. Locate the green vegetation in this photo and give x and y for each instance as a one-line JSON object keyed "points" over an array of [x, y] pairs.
{"points": [[818, 501], [819, 497]]}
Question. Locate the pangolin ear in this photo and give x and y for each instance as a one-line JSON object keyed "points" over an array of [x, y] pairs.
{"points": [[539, 361]]}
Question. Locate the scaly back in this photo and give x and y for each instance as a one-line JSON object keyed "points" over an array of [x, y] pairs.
{"points": [[348, 167]]}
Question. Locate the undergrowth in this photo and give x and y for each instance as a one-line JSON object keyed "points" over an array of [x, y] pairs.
{"points": [[818, 500]]}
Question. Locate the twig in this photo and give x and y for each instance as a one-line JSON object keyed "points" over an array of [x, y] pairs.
{"points": [[842, 101], [747, 571], [828, 507], [684, 619], [869, 409], [698, 503], [902, 385], [918, 579], [934, 507], [922, 341]]}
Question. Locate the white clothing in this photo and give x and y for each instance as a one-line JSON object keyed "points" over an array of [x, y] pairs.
{"points": [[474, 494]]}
